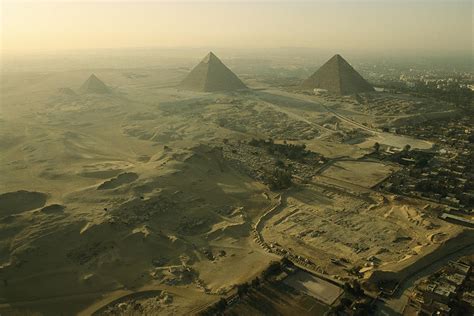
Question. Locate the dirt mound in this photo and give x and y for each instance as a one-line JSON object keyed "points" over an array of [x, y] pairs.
{"points": [[21, 201], [123, 178], [53, 208]]}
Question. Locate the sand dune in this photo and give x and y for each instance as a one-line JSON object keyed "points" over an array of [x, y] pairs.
{"points": [[122, 178], [118, 192]]}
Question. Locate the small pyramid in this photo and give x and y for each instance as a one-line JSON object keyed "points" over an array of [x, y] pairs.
{"points": [[67, 91], [212, 75], [338, 77], [94, 85]]}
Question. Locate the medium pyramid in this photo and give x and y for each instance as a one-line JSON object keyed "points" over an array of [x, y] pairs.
{"points": [[212, 75], [337, 77], [94, 85]]}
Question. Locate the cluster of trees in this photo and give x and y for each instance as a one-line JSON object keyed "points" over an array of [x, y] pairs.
{"points": [[354, 299], [443, 183], [291, 151], [215, 309], [454, 94], [280, 176], [358, 308], [432, 186], [471, 138], [421, 159], [465, 199], [279, 179], [376, 147], [444, 186], [274, 268], [354, 288]]}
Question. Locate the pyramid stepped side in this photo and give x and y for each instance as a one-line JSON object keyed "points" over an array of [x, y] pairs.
{"points": [[196, 79], [337, 76], [326, 77], [351, 81], [219, 77], [212, 75], [94, 85]]}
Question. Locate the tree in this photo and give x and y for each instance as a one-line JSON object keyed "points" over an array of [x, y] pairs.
{"points": [[242, 289], [272, 269], [285, 262], [362, 309], [280, 179], [353, 288], [279, 163], [423, 162], [376, 147], [346, 302], [347, 287], [221, 304], [254, 142], [406, 148], [256, 282], [471, 138], [357, 289]]}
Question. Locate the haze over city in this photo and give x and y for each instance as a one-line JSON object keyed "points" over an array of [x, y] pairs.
{"points": [[388, 27]]}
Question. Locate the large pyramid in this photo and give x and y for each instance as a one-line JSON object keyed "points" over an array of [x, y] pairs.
{"points": [[212, 75], [94, 85], [337, 77]]}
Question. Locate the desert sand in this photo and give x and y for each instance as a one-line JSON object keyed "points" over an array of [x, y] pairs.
{"points": [[108, 194]]}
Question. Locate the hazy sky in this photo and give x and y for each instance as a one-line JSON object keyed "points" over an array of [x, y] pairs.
{"points": [[434, 26]]}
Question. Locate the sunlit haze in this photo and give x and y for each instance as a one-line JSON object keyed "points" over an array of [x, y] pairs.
{"points": [[437, 27]]}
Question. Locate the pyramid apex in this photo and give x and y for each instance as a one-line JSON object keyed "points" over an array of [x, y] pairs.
{"points": [[210, 56], [95, 85], [94, 77], [337, 57]]}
